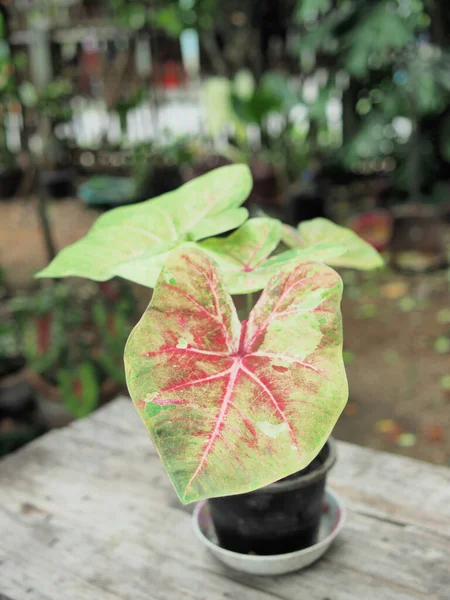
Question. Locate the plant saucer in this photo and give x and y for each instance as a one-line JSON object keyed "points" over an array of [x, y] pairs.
{"points": [[332, 521]]}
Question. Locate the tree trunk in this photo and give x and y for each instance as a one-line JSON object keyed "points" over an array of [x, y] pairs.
{"points": [[214, 54], [45, 225], [350, 119], [414, 166]]}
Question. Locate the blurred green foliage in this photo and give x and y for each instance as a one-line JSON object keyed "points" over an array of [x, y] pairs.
{"points": [[74, 338]]}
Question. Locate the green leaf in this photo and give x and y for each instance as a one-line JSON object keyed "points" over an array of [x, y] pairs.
{"points": [[310, 10], [290, 236], [234, 407], [79, 388], [359, 254], [131, 241], [169, 18], [282, 87], [427, 79], [379, 32], [243, 255], [326, 32]]}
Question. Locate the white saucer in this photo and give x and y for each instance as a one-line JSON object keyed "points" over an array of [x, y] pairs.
{"points": [[333, 517]]}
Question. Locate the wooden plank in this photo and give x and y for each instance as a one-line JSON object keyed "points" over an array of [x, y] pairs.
{"points": [[391, 486], [422, 574], [88, 513]]}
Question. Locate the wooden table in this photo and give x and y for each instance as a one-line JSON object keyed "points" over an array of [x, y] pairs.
{"points": [[87, 513]]}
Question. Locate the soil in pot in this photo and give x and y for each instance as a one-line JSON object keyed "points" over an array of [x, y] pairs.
{"points": [[279, 518]]}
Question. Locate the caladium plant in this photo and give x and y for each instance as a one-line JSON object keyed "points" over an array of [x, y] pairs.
{"points": [[234, 406], [134, 241], [231, 406]]}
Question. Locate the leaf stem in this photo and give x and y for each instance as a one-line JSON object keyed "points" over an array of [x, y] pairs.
{"points": [[249, 303]]}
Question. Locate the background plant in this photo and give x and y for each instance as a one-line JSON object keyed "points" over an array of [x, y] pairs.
{"points": [[75, 340]]}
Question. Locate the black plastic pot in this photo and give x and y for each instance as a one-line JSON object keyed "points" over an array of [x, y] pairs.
{"points": [[279, 518], [10, 178], [58, 183]]}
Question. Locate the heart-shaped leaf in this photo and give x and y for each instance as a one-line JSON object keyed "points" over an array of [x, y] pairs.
{"points": [[243, 255], [290, 236], [359, 254], [128, 241], [232, 407]]}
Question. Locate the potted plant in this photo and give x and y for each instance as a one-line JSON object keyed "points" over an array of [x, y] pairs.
{"points": [[73, 344], [240, 412]]}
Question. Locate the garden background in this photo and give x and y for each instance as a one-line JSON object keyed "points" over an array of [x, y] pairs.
{"points": [[341, 109]]}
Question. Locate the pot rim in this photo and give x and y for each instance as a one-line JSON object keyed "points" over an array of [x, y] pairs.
{"points": [[303, 480]]}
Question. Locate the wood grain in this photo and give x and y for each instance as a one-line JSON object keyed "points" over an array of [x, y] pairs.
{"points": [[87, 513]]}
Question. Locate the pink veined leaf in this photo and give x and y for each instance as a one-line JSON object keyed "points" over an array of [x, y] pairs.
{"points": [[244, 255], [232, 407]]}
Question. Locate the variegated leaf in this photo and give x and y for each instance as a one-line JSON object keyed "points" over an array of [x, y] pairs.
{"points": [[232, 407], [290, 236], [128, 241], [359, 254], [243, 255]]}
